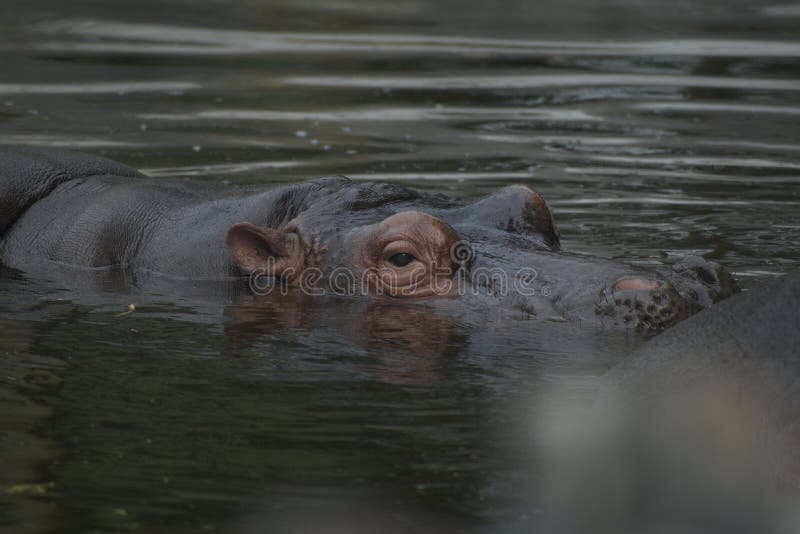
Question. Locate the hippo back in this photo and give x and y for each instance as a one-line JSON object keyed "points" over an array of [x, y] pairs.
{"points": [[28, 174], [732, 370], [696, 431], [755, 330]]}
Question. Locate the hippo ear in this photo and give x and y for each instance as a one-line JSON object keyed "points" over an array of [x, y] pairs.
{"points": [[265, 250]]}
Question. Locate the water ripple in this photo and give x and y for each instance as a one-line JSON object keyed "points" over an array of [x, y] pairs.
{"points": [[65, 141], [443, 176], [716, 107], [700, 161], [438, 113], [95, 88], [669, 201], [224, 168], [790, 10], [562, 139], [542, 80], [209, 41], [626, 172]]}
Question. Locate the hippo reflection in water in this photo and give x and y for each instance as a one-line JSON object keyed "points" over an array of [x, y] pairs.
{"points": [[331, 234]]}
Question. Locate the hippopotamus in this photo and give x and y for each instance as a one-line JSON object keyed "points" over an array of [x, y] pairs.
{"points": [[334, 234], [697, 430]]}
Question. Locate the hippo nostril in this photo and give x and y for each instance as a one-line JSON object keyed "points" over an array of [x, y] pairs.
{"points": [[706, 274], [637, 284], [703, 282]]}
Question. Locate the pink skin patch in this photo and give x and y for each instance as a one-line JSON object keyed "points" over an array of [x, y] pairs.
{"points": [[637, 284]]}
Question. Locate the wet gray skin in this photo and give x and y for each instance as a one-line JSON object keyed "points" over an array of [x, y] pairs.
{"points": [[503, 250], [712, 403]]}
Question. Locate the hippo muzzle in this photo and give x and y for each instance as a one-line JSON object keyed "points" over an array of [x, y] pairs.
{"points": [[598, 292], [647, 307], [650, 304]]}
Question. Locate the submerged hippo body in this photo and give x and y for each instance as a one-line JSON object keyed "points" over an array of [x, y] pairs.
{"points": [[333, 234]]}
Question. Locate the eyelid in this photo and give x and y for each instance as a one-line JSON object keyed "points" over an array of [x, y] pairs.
{"points": [[399, 246]]}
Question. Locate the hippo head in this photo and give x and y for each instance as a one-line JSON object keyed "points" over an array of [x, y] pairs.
{"points": [[387, 241]]}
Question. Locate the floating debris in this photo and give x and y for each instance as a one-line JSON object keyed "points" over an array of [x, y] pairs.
{"points": [[131, 309], [34, 489]]}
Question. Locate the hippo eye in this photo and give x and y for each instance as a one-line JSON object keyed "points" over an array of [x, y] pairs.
{"points": [[401, 259]]}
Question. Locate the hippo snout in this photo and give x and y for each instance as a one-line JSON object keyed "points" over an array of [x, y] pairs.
{"points": [[645, 304], [652, 302], [701, 281]]}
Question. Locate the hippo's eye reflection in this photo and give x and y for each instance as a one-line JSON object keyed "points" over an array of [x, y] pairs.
{"points": [[401, 259]]}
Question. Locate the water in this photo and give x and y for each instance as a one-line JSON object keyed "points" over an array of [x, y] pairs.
{"points": [[653, 129]]}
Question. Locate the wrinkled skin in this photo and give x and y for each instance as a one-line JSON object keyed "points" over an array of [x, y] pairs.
{"points": [[502, 250]]}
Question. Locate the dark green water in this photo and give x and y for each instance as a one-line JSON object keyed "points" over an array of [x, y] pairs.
{"points": [[654, 130]]}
